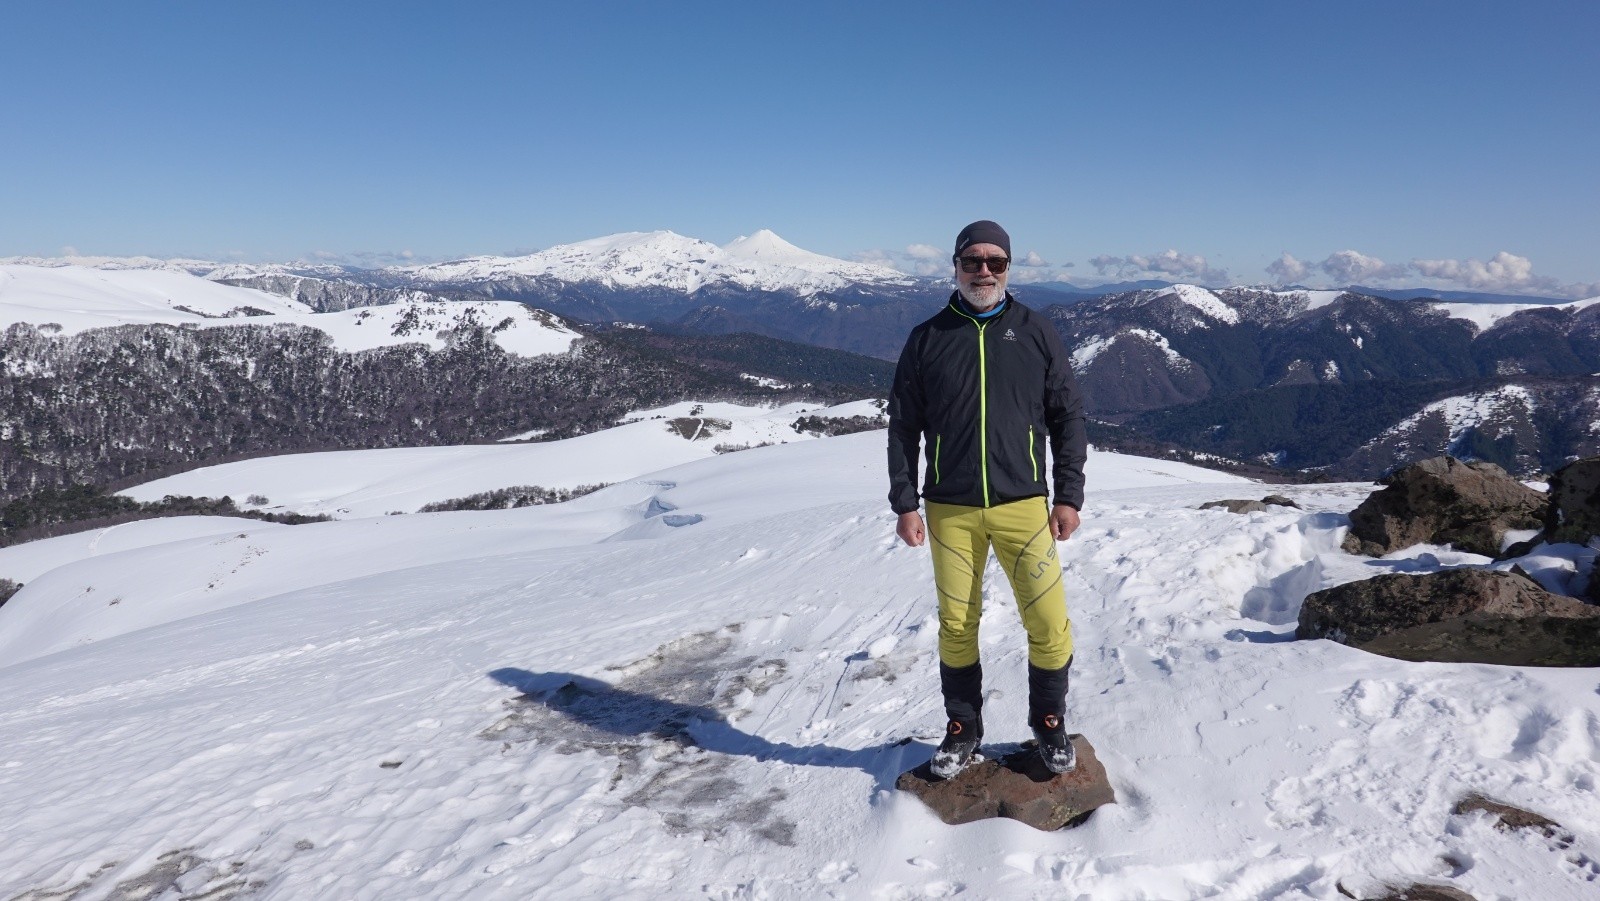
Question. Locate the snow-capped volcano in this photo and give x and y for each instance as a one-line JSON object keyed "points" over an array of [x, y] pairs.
{"points": [[664, 259]]}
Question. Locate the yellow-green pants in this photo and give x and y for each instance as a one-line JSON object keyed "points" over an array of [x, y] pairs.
{"points": [[1020, 533]]}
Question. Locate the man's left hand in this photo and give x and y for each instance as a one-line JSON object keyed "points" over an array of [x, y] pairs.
{"points": [[1063, 521]]}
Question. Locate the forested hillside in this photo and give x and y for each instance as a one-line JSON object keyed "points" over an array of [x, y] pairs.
{"points": [[111, 405]]}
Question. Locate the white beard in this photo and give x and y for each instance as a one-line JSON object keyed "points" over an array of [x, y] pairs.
{"points": [[985, 296]]}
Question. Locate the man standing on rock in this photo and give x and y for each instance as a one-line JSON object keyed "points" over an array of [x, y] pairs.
{"points": [[985, 382]]}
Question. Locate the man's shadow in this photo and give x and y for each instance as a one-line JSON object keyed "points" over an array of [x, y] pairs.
{"points": [[581, 710]]}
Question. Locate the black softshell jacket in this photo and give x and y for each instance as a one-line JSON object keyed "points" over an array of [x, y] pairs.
{"points": [[983, 397]]}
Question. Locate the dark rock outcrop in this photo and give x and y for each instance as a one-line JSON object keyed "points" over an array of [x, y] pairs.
{"points": [[1574, 511], [1016, 786], [1424, 891], [1236, 505], [1444, 501], [1458, 616], [1509, 818]]}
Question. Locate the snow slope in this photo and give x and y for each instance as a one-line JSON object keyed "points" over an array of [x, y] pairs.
{"points": [[1509, 403], [1485, 315], [376, 708], [77, 298], [347, 484], [24, 562], [1313, 299], [1203, 300], [517, 328]]}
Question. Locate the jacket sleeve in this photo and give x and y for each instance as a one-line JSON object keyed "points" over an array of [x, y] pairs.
{"points": [[1063, 412], [906, 421]]}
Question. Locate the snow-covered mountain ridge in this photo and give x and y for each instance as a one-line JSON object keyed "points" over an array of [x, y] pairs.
{"points": [[663, 259], [68, 300], [761, 261], [1231, 305]]}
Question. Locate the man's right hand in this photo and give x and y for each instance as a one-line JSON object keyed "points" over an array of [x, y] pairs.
{"points": [[911, 529]]}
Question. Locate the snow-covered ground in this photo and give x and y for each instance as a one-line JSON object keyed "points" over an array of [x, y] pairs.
{"points": [[344, 484], [76, 298], [701, 682]]}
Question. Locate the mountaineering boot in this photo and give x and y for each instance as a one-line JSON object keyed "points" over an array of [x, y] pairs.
{"points": [[961, 741], [963, 704], [1047, 707], [1055, 749]]}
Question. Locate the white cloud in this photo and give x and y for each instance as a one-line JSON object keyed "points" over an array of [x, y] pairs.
{"points": [[369, 259], [915, 259], [70, 251], [1287, 270], [1351, 267], [1506, 271], [1168, 264], [1032, 259]]}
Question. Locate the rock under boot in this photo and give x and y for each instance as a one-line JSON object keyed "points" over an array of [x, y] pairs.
{"points": [[960, 745], [1055, 749]]}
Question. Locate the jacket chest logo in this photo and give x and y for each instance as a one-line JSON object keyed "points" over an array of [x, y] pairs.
{"points": [[1009, 335]]}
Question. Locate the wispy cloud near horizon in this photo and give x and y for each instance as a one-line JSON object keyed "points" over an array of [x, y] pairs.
{"points": [[1170, 264], [1504, 273], [369, 259]]}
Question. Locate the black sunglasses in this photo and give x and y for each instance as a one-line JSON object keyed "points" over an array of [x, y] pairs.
{"points": [[996, 265]]}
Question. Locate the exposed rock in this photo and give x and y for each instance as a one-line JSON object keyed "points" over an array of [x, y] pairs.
{"points": [[1573, 514], [1236, 505], [1520, 549], [1459, 616], [1016, 786], [1444, 501], [1509, 818], [1423, 891]]}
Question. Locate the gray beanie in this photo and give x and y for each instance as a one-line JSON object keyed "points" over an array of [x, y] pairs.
{"points": [[983, 231]]}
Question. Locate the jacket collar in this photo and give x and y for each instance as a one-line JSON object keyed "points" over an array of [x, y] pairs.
{"points": [[959, 305]]}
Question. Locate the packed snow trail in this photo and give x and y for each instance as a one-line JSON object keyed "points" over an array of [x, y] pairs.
{"points": [[635, 710]]}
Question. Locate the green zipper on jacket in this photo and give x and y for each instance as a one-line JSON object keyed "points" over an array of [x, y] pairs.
{"points": [[937, 440], [983, 410], [1031, 458]]}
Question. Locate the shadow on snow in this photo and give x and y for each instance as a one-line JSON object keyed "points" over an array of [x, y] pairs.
{"points": [[585, 712]]}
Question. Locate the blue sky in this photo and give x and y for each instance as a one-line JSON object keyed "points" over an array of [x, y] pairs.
{"points": [[1447, 143]]}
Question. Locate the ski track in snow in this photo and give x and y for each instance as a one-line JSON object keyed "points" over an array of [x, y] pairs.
{"points": [[721, 712]]}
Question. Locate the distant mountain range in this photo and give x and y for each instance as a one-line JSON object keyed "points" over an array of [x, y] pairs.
{"points": [[1344, 382], [1341, 382], [118, 375], [1387, 293]]}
